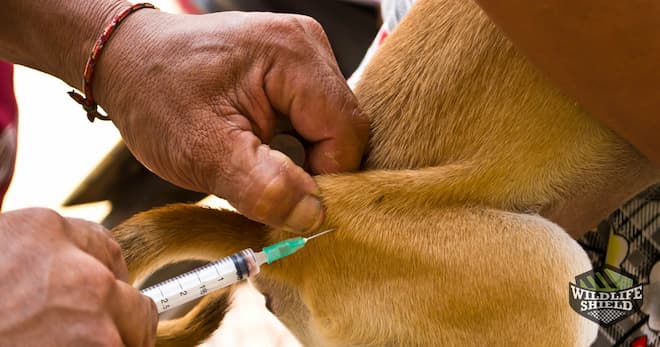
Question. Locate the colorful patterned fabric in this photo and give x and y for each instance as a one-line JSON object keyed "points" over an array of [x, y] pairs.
{"points": [[630, 240]]}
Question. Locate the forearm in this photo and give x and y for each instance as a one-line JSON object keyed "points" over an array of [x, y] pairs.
{"points": [[54, 36], [604, 54]]}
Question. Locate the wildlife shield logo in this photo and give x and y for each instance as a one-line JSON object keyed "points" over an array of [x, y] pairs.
{"points": [[606, 295]]}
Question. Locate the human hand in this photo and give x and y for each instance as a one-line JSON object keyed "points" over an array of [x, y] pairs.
{"points": [[196, 99], [62, 282]]}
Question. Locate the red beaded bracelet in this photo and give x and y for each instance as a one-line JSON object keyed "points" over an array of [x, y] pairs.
{"points": [[87, 101]]}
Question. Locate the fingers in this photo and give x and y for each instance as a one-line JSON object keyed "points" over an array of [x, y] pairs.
{"points": [[320, 105], [338, 130], [307, 86], [95, 240], [207, 132], [77, 271], [268, 187], [135, 316]]}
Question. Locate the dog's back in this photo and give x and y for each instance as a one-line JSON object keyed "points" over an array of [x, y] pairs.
{"points": [[439, 243]]}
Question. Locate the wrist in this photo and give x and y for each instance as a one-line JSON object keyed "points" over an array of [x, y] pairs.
{"points": [[86, 99], [53, 36], [126, 60], [99, 15]]}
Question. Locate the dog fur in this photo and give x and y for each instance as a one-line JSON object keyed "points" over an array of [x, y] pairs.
{"points": [[451, 236]]}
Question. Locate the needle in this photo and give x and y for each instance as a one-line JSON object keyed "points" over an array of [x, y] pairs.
{"points": [[319, 234]]}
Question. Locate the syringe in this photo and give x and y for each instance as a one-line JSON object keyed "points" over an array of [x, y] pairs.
{"points": [[221, 273]]}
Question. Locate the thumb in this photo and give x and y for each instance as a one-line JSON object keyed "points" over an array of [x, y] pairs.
{"points": [[266, 186]]}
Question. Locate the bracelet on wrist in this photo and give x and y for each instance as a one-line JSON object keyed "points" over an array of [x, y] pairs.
{"points": [[86, 99]]}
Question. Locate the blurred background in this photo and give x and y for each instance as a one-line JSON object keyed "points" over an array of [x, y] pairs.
{"points": [[82, 170]]}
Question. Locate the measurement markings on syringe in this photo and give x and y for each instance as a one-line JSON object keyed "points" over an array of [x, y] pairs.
{"points": [[228, 270], [218, 272]]}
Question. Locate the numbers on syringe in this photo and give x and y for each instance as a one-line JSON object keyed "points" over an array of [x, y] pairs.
{"points": [[164, 304], [203, 290], [183, 293]]}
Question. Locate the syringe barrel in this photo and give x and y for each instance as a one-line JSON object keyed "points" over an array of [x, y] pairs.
{"points": [[196, 283]]}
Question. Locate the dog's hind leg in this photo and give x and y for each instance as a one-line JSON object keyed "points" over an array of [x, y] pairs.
{"points": [[173, 233]]}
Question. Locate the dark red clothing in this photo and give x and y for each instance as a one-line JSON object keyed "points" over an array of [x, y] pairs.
{"points": [[8, 122]]}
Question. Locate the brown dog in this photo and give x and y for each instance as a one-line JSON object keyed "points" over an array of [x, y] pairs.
{"points": [[441, 240]]}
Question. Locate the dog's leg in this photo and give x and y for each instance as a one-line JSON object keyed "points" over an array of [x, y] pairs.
{"points": [[180, 232]]}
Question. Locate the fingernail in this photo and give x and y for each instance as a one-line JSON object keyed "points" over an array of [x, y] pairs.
{"points": [[306, 216]]}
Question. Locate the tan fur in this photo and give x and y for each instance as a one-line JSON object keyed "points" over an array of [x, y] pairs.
{"points": [[439, 242]]}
